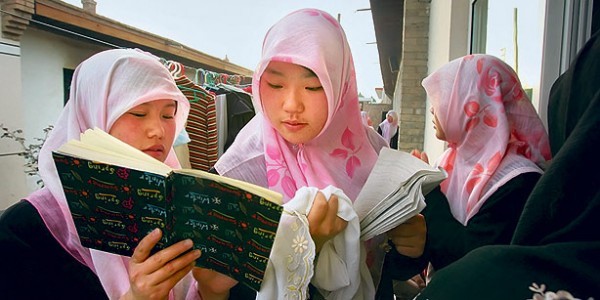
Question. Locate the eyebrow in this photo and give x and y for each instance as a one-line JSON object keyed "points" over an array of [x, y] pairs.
{"points": [[308, 74]]}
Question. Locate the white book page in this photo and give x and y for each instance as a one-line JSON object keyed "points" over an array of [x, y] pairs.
{"points": [[97, 145], [392, 169], [394, 191]]}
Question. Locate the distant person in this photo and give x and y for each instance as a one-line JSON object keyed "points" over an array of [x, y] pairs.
{"points": [[497, 149], [366, 119], [554, 250], [388, 129]]}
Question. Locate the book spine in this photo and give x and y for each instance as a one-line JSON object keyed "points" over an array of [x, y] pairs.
{"points": [[169, 233]]}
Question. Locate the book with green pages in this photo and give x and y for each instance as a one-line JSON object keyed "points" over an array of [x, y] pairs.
{"points": [[118, 194]]}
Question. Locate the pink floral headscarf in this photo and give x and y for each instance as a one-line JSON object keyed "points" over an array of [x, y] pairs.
{"points": [[492, 129], [342, 154], [104, 87]]}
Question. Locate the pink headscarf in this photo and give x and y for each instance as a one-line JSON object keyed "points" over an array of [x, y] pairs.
{"points": [[389, 129], [104, 87], [492, 129], [342, 154]]}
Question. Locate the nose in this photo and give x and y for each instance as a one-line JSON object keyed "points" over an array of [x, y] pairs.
{"points": [[293, 101], [154, 128]]}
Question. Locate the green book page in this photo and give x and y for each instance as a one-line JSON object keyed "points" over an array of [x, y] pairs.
{"points": [[233, 228]]}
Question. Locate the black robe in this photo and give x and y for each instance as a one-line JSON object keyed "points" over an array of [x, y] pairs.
{"points": [[557, 240]]}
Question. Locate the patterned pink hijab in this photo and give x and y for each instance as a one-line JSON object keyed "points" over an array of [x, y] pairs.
{"points": [[492, 129], [342, 154], [104, 87]]}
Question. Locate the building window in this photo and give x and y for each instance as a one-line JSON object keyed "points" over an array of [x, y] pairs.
{"points": [[512, 30], [67, 77]]}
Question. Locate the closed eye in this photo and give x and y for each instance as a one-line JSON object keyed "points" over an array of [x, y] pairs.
{"points": [[137, 114], [274, 86], [314, 89]]}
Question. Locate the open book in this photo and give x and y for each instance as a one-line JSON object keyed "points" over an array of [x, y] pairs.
{"points": [[394, 191], [118, 194]]}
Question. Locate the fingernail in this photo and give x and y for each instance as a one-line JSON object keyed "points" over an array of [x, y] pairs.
{"points": [[155, 231], [188, 243]]}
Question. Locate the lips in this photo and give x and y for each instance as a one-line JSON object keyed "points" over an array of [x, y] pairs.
{"points": [[294, 125], [155, 151]]}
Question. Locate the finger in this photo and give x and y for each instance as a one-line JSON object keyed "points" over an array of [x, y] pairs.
{"points": [[143, 249], [416, 153], [163, 257], [416, 219], [318, 210], [340, 224], [410, 241], [332, 209], [416, 229], [412, 252], [176, 269], [162, 287], [424, 157]]}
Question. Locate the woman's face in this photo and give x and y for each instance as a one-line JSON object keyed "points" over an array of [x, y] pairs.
{"points": [[294, 101], [149, 127], [439, 132]]}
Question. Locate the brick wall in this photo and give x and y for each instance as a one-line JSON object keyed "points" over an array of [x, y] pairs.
{"points": [[16, 19], [409, 97]]}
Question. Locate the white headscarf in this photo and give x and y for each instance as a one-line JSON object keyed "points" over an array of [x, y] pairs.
{"points": [[389, 129], [104, 87]]}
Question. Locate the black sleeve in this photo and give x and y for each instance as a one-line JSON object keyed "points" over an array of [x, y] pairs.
{"points": [[448, 240], [35, 265], [394, 140], [400, 267], [379, 130]]}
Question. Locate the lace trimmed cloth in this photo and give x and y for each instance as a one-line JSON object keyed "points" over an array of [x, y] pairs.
{"points": [[340, 271]]}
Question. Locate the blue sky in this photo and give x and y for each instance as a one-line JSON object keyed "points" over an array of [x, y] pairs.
{"points": [[236, 28]]}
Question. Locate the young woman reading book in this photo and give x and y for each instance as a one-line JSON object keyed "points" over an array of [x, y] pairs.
{"points": [[497, 149], [308, 135], [132, 96], [553, 253]]}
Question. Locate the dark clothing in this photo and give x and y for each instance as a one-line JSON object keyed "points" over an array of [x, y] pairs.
{"points": [[35, 265], [506, 272], [557, 241], [393, 140], [448, 240]]}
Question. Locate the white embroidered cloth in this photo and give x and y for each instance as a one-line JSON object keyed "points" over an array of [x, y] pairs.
{"points": [[340, 271]]}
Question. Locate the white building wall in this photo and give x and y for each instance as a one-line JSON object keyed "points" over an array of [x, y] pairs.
{"points": [[12, 180], [39, 72], [448, 39]]}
